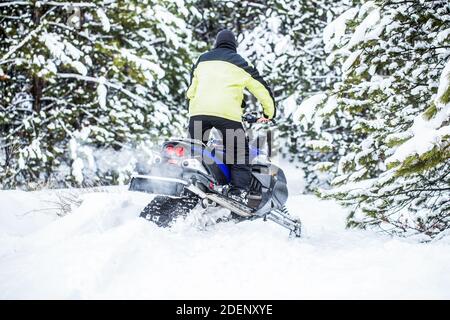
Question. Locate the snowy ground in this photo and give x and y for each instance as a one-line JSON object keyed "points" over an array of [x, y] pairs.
{"points": [[102, 250]]}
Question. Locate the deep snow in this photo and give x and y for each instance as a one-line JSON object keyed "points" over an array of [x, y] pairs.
{"points": [[102, 250]]}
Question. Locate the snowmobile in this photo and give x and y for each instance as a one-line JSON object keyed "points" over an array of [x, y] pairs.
{"points": [[188, 172]]}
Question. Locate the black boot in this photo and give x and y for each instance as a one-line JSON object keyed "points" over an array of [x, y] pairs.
{"points": [[238, 194]]}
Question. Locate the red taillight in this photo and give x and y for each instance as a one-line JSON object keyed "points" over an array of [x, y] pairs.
{"points": [[170, 149], [179, 151], [175, 151]]}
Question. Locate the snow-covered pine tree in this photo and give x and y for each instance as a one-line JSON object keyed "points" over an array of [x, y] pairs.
{"points": [[287, 48], [390, 115], [78, 76], [238, 16]]}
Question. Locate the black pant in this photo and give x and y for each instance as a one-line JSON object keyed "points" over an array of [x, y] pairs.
{"points": [[233, 136]]}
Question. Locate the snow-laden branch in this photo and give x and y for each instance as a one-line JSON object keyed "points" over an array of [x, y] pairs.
{"points": [[71, 29], [5, 4], [14, 17], [107, 83], [71, 4], [6, 61], [310, 53], [50, 3], [21, 43]]}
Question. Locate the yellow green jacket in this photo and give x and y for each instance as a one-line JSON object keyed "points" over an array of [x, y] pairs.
{"points": [[217, 86]]}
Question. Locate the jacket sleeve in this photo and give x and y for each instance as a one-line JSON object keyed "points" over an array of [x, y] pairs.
{"points": [[194, 81], [193, 87], [259, 88]]}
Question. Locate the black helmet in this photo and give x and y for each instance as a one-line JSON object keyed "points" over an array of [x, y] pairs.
{"points": [[226, 38]]}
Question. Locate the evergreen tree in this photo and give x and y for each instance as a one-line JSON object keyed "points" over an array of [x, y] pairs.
{"points": [[89, 75], [387, 121], [287, 47], [238, 16]]}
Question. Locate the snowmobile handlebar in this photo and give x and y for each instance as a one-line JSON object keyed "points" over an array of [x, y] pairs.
{"points": [[253, 117]]}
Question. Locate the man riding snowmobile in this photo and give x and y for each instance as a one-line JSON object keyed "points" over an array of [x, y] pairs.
{"points": [[188, 172], [216, 92]]}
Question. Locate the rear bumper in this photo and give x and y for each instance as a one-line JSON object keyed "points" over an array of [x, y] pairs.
{"points": [[157, 185]]}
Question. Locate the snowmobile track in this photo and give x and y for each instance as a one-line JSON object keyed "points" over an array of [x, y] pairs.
{"points": [[163, 210]]}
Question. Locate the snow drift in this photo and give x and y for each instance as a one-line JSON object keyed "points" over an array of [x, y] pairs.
{"points": [[103, 250]]}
